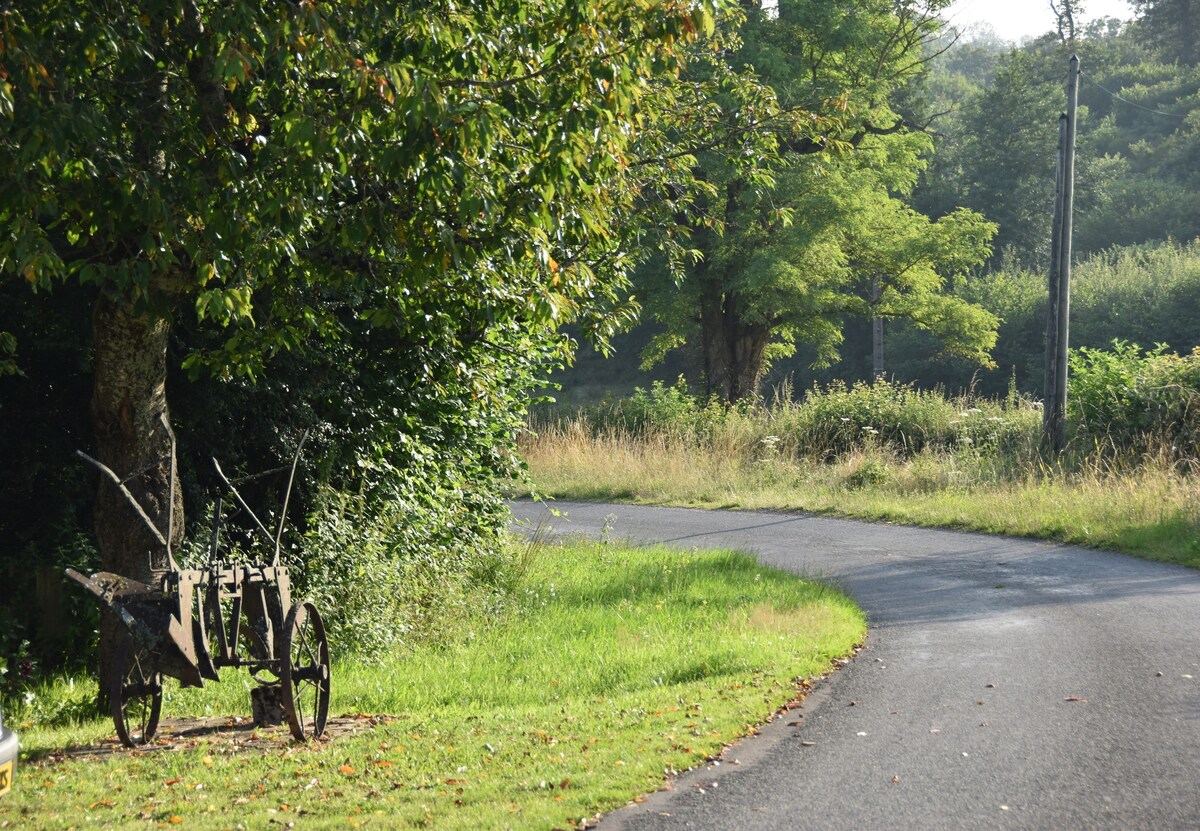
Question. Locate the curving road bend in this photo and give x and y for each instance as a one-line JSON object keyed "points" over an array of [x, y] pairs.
{"points": [[1006, 684]]}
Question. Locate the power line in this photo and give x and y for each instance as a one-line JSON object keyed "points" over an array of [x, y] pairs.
{"points": [[1134, 103]]}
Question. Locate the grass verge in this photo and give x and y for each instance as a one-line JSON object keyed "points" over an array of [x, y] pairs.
{"points": [[610, 668], [1151, 510]]}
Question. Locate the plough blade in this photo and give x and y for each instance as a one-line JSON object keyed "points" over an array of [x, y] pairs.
{"points": [[149, 615]]}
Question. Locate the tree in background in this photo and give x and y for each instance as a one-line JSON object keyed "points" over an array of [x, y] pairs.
{"points": [[1067, 16], [1000, 160], [1136, 165], [419, 196], [1142, 105], [775, 250], [1173, 26], [903, 267]]}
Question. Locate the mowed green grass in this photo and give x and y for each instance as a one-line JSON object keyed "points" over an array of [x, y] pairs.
{"points": [[610, 668]]}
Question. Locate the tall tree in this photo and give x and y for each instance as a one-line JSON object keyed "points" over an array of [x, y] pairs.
{"points": [[446, 177], [1067, 15], [903, 266], [772, 262], [1008, 162]]}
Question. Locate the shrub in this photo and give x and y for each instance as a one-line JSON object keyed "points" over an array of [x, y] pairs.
{"points": [[827, 423], [840, 418], [904, 419], [869, 473], [393, 578], [663, 410], [1143, 400]]}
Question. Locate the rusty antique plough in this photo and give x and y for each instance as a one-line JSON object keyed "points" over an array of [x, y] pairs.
{"points": [[190, 623]]}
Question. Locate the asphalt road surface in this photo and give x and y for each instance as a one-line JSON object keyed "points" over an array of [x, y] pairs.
{"points": [[1006, 684]]}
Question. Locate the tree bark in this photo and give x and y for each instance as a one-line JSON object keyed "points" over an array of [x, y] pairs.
{"points": [[128, 404], [734, 350]]}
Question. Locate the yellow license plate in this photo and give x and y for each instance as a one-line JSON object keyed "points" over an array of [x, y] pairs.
{"points": [[6, 770]]}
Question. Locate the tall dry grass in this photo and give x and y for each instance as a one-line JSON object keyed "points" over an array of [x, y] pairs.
{"points": [[984, 471]]}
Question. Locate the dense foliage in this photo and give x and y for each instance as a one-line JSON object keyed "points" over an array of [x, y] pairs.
{"points": [[1145, 294], [380, 214], [810, 229], [1136, 176], [992, 109], [1126, 397]]}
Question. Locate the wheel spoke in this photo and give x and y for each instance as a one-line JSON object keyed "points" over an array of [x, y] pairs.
{"points": [[305, 671], [135, 693]]}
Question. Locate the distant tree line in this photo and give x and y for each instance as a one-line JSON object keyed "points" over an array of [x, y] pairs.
{"points": [[987, 113]]}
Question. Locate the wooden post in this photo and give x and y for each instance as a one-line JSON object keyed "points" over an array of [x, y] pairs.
{"points": [[1055, 415]]}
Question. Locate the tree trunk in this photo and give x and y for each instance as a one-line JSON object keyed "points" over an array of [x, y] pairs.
{"points": [[128, 404], [877, 370], [734, 350], [876, 331]]}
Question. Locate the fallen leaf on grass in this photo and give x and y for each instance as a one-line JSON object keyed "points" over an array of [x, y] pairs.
{"points": [[346, 769]]}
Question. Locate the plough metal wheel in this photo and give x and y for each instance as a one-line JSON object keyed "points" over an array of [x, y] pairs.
{"points": [[135, 693], [305, 671]]}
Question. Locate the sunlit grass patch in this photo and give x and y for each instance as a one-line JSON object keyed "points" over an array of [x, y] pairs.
{"points": [[611, 667]]}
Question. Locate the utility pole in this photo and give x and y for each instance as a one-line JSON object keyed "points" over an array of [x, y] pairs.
{"points": [[1050, 381], [1054, 416]]}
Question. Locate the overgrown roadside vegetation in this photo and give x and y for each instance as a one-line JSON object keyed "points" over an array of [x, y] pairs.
{"points": [[895, 453], [608, 667]]}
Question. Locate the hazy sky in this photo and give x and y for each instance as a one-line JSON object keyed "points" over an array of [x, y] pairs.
{"points": [[1015, 19]]}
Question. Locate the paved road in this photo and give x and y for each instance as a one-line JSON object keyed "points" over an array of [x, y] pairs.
{"points": [[961, 713]]}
